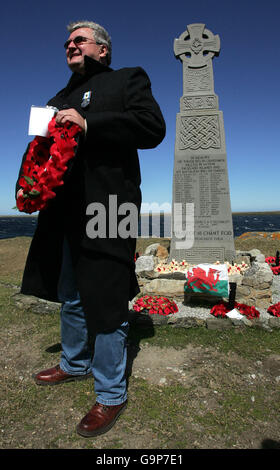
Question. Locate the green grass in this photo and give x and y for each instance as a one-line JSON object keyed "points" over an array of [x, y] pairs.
{"points": [[247, 342], [238, 412], [161, 413]]}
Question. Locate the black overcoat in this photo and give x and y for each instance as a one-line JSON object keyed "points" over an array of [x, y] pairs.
{"points": [[122, 116]]}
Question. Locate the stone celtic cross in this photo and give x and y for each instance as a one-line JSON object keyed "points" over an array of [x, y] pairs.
{"points": [[197, 45], [202, 230]]}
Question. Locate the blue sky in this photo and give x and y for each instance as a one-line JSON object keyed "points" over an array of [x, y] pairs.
{"points": [[246, 77]]}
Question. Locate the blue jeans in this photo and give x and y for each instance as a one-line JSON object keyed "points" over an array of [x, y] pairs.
{"points": [[106, 359]]}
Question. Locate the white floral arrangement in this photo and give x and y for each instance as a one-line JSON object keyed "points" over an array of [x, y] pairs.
{"points": [[183, 266]]}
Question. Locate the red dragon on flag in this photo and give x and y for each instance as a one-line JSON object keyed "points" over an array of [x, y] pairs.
{"points": [[199, 279], [208, 278]]}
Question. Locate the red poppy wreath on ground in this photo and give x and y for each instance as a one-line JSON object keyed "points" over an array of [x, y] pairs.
{"points": [[155, 305], [274, 309], [220, 310], [271, 260], [45, 165]]}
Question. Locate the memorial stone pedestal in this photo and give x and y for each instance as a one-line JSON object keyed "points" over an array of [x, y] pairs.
{"points": [[202, 230]]}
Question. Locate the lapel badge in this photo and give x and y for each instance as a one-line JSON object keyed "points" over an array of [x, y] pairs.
{"points": [[86, 99]]}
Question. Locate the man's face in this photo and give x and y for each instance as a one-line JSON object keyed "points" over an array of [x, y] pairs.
{"points": [[75, 53]]}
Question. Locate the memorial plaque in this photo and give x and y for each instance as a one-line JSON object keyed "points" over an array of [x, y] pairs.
{"points": [[202, 230]]}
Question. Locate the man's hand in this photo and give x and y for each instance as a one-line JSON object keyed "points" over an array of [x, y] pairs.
{"points": [[70, 115]]}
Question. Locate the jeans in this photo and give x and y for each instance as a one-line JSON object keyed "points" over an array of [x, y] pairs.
{"points": [[107, 357]]}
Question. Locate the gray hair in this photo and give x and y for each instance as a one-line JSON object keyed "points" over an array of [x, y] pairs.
{"points": [[99, 33]]}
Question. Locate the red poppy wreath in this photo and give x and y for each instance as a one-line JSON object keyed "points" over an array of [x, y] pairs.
{"points": [[45, 165], [271, 260], [274, 309], [155, 304], [220, 310]]}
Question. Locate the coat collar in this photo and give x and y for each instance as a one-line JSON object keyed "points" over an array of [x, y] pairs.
{"points": [[92, 67]]}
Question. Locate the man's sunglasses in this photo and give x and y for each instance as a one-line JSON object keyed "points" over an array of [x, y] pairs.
{"points": [[78, 40]]}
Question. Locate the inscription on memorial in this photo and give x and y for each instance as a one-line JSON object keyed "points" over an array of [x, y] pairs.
{"points": [[202, 181], [195, 255]]}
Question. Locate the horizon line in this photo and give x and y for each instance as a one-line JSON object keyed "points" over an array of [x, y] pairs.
{"points": [[156, 213]]}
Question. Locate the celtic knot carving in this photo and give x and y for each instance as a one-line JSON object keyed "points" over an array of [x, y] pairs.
{"points": [[200, 132]]}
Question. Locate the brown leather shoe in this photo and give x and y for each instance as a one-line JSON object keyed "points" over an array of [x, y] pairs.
{"points": [[100, 419], [56, 375]]}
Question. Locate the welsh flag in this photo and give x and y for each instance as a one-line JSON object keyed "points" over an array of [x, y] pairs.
{"points": [[208, 279]]}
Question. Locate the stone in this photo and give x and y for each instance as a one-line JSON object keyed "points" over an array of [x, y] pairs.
{"points": [[276, 284], [262, 323], [35, 304], [202, 229], [275, 288], [262, 294], [218, 323], [145, 319], [237, 278], [257, 275], [257, 256], [159, 319], [165, 287], [262, 304], [185, 322], [247, 322], [237, 322], [274, 322], [259, 298], [243, 291], [144, 263], [265, 286], [173, 275], [162, 253], [24, 301], [254, 253], [152, 249], [251, 255], [260, 258]]}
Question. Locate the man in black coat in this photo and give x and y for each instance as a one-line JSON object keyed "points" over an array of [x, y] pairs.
{"points": [[87, 262]]}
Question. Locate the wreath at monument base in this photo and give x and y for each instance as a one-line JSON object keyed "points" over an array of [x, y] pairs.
{"points": [[221, 309], [271, 260], [45, 166], [155, 305], [274, 309]]}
